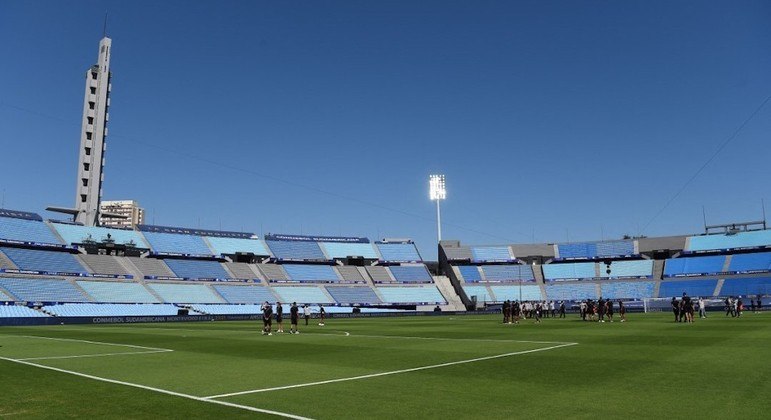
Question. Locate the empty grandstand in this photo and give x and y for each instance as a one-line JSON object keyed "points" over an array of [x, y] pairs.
{"points": [[354, 295], [78, 234], [163, 242], [43, 261], [201, 268], [197, 269], [423, 295], [25, 228], [117, 292], [303, 294], [232, 246], [403, 251], [286, 249]]}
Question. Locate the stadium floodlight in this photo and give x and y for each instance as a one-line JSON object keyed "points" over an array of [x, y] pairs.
{"points": [[437, 192]]}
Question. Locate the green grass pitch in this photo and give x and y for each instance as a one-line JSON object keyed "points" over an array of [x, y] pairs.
{"points": [[410, 367]]}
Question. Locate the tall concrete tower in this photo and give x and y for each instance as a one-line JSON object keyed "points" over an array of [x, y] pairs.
{"points": [[92, 137]]}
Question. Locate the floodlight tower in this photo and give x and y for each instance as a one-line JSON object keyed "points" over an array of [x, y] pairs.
{"points": [[438, 192]]}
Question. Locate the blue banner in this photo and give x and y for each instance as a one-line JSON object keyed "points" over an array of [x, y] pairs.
{"points": [[197, 232], [304, 238], [18, 214]]}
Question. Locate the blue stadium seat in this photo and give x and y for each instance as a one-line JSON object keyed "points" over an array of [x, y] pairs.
{"points": [[470, 273], [353, 295], [692, 287], [526, 292], [596, 249], [175, 243], [398, 252], [622, 269], [746, 263], [411, 274], [427, 295], [16, 311], [628, 290], [231, 246], [694, 266], [296, 250], [302, 294], [311, 273], [245, 294], [197, 269], [571, 291], [584, 270], [111, 309], [117, 292], [491, 253], [23, 230], [47, 261], [42, 290], [614, 248], [508, 273], [5, 298], [577, 250], [746, 287], [232, 309], [74, 234], [756, 239], [185, 293], [344, 249]]}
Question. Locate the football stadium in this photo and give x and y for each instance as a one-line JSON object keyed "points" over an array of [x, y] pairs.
{"points": [[106, 314]]}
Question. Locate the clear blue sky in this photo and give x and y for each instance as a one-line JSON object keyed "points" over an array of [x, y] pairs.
{"points": [[550, 119]]}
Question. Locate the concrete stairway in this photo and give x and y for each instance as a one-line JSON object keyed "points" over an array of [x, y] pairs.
{"points": [[445, 287]]}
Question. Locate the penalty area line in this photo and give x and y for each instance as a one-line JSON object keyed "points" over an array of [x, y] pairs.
{"points": [[159, 390], [78, 356], [393, 372], [91, 342]]}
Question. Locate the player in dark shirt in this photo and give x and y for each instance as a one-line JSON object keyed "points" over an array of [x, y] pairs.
{"points": [[515, 311], [609, 310], [267, 318], [601, 308], [562, 309], [622, 310], [675, 308], [506, 312], [279, 317], [294, 315], [322, 313], [687, 307]]}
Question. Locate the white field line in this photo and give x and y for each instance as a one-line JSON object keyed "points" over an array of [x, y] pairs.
{"points": [[91, 342], [146, 350], [393, 372], [96, 355], [159, 390]]}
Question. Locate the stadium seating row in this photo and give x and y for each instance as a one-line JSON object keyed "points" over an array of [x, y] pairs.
{"points": [[37, 231], [496, 273], [130, 292], [740, 240], [46, 261], [591, 250]]}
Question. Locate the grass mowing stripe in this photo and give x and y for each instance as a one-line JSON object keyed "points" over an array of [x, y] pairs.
{"points": [[159, 390], [393, 372]]}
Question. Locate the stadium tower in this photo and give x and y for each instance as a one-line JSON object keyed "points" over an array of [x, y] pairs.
{"points": [[92, 137]]}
